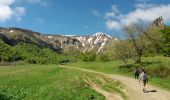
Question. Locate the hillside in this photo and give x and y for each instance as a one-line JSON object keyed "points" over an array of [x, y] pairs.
{"points": [[96, 42], [53, 82]]}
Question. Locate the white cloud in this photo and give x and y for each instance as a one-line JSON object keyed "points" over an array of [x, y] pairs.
{"points": [[7, 12], [111, 24], [144, 5], [112, 12], [140, 13], [95, 13], [109, 14], [6, 2], [19, 11]]}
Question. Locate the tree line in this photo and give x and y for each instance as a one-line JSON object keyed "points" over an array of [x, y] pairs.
{"points": [[143, 40]]}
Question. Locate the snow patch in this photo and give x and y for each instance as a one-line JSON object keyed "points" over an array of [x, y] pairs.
{"points": [[101, 47], [69, 35], [90, 40], [50, 37], [101, 34]]}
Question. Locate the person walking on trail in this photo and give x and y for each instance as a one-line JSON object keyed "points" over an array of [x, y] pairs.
{"points": [[143, 77], [142, 69], [136, 73]]}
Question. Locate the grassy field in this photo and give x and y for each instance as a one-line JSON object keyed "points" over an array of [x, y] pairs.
{"points": [[53, 82], [114, 67], [50, 82], [111, 67]]}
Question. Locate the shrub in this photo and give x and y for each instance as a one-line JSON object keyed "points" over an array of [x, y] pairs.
{"points": [[88, 56], [103, 58], [160, 71]]}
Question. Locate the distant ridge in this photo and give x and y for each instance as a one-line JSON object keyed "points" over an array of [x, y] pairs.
{"points": [[95, 42]]}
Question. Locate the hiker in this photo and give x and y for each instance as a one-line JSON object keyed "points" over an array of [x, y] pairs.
{"points": [[143, 77], [136, 73], [142, 69]]}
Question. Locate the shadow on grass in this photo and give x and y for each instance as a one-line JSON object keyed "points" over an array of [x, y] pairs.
{"points": [[4, 97], [150, 63], [127, 68], [130, 67]]}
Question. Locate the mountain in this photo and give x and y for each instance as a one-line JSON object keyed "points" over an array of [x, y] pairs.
{"points": [[13, 36], [95, 42], [157, 24]]}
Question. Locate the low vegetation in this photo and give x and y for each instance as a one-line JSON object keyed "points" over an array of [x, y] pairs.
{"points": [[143, 47], [51, 82], [30, 53], [156, 67]]}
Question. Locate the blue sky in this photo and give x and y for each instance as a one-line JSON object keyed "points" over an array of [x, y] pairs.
{"points": [[80, 17]]}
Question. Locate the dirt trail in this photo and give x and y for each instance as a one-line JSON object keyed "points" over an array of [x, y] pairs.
{"points": [[132, 88], [108, 95]]}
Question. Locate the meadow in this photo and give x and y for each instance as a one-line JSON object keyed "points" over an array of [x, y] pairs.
{"points": [[157, 68], [49, 82]]}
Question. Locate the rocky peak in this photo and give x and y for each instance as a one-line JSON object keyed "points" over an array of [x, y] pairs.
{"points": [[158, 22], [95, 42], [98, 34]]}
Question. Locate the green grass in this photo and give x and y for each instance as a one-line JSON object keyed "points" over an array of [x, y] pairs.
{"points": [[156, 61], [107, 84], [113, 67], [50, 82], [107, 67], [44, 82]]}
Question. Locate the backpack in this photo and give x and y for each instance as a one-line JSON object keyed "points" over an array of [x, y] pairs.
{"points": [[144, 77]]}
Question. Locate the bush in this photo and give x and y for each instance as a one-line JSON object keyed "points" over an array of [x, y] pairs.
{"points": [[103, 58], [161, 72], [166, 35], [34, 54], [31, 61], [88, 56]]}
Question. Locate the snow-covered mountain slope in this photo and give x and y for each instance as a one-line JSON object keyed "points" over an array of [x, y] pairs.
{"points": [[95, 42]]}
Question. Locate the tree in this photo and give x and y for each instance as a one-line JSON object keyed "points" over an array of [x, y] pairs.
{"points": [[123, 51], [145, 38], [166, 35], [109, 49], [134, 35]]}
